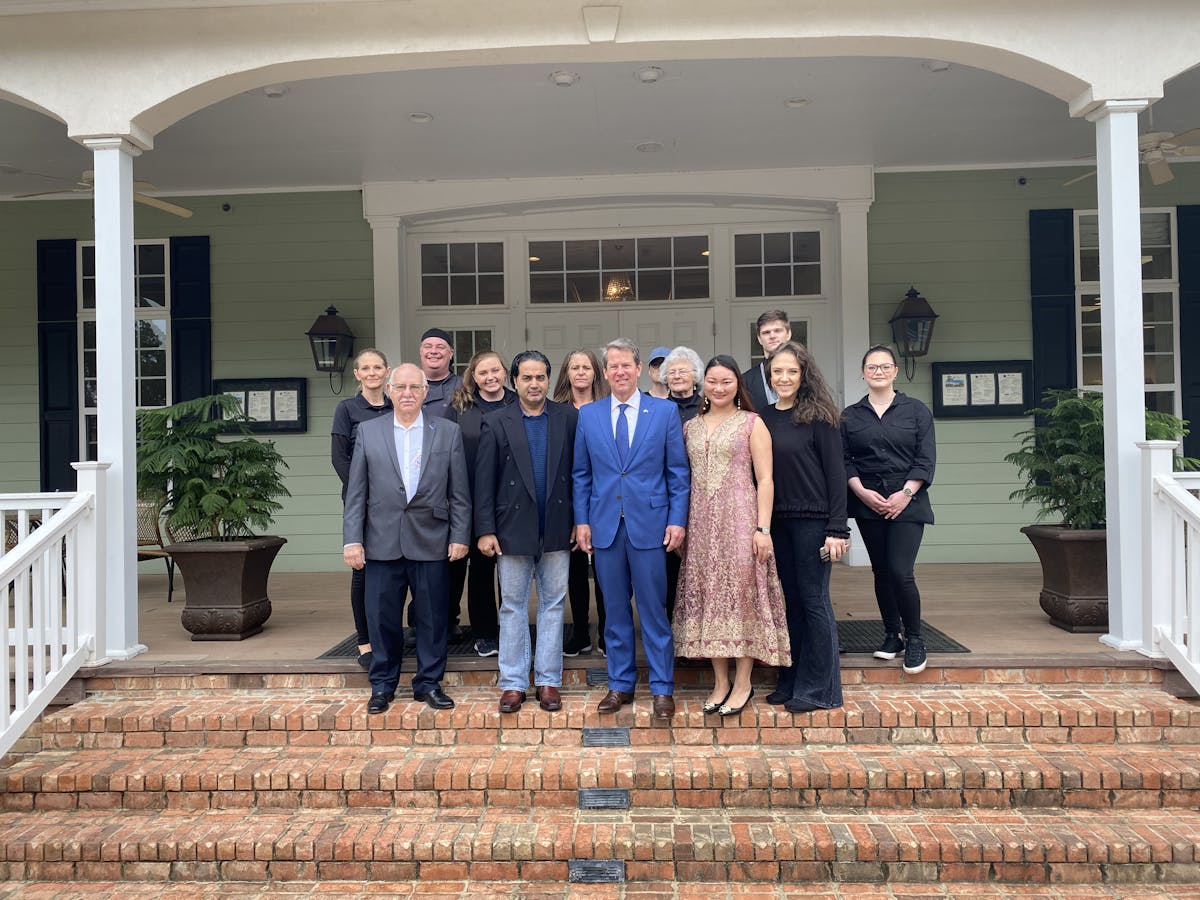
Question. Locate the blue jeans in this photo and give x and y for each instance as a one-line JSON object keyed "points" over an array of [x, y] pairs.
{"points": [[517, 574]]}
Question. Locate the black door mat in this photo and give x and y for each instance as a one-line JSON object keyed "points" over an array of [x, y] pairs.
{"points": [[854, 635]]}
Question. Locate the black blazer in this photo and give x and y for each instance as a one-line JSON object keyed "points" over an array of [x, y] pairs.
{"points": [[505, 496], [753, 379]]}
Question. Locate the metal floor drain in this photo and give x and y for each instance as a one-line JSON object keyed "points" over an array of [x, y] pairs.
{"points": [[597, 676], [596, 871], [606, 737], [604, 798]]}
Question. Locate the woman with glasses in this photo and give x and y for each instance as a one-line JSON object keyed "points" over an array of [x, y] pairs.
{"points": [[890, 454], [682, 371]]}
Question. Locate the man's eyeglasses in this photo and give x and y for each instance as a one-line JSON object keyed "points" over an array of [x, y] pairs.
{"points": [[878, 368], [407, 388]]}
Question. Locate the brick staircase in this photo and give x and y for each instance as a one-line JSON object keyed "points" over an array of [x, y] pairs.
{"points": [[963, 776]]}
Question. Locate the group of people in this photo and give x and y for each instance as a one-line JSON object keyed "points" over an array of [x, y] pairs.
{"points": [[716, 503]]}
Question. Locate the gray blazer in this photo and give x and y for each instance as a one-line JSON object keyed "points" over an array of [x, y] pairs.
{"points": [[388, 523]]}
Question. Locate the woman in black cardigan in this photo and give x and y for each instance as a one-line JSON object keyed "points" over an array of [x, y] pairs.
{"points": [[808, 524], [890, 456]]}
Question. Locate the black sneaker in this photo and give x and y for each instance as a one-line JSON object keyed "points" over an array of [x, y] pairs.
{"points": [[487, 647], [892, 646], [914, 656], [574, 648]]}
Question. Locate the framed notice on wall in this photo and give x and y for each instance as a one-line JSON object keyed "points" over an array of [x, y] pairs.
{"points": [[982, 389], [270, 404]]}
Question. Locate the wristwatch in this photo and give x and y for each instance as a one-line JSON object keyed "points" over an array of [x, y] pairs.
{"points": [[761, 530], [907, 491]]}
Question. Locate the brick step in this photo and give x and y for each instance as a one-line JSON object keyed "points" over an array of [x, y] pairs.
{"points": [[1021, 847], [948, 777], [888, 714]]}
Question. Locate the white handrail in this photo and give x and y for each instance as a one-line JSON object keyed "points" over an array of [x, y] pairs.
{"points": [[51, 592]]}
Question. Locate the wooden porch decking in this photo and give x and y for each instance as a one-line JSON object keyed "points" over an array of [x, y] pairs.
{"points": [[990, 608]]}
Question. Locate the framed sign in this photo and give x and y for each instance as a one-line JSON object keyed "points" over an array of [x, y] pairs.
{"points": [[270, 404], [984, 389]]}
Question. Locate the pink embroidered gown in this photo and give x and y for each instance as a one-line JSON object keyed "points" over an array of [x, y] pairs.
{"points": [[728, 604]]}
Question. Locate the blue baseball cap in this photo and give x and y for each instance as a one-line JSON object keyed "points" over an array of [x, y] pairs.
{"points": [[658, 353]]}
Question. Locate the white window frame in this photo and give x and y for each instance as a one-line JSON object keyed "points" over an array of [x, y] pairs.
{"points": [[1149, 286], [140, 313]]}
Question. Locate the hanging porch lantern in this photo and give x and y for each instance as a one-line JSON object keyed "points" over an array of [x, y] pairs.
{"points": [[912, 329], [332, 343]]}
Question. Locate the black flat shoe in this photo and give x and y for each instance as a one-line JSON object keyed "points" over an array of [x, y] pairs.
{"points": [[379, 703], [778, 698], [730, 711], [436, 698], [710, 708], [365, 660]]}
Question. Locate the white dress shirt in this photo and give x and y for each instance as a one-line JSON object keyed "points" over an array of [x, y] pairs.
{"points": [[409, 441]]}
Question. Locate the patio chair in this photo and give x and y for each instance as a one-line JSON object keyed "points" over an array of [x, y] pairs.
{"points": [[149, 540]]}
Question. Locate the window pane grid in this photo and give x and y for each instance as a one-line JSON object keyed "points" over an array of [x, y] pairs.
{"points": [[462, 274], [619, 269], [777, 264]]}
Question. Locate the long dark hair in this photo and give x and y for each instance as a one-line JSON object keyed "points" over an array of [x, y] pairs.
{"points": [[562, 388], [814, 400], [741, 399], [464, 395]]}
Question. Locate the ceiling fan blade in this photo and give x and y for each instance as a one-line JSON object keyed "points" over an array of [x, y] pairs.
{"points": [[1187, 139], [163, 205], [1160, 171], [49, 193], [1079, 178], [143, 186]]}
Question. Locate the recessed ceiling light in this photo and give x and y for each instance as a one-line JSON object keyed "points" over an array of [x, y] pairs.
{"points": [[563, 78], [648, 146], [275, 91], [535, 259], [796, 102], [420, 118], [935, 65], [704, 253], [649, 74]]}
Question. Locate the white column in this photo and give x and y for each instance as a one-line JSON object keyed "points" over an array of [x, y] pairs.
{"points": [[855, 322], [387, 239], [89, 575], [1117, 176], [113, 164], [1157, 461]]}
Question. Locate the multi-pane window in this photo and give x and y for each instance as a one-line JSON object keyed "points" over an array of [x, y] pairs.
{"points": [[777, 264], [619, 269], [466, 343], [1160, 307], [462, 274], [151, 333]]}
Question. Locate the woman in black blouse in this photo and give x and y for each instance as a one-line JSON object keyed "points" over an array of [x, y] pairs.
{"points": [[808, 524], [370, 371], [890, 456]]}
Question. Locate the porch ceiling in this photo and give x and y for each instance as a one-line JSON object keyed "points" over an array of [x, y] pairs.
{"points": [[512, 121]]}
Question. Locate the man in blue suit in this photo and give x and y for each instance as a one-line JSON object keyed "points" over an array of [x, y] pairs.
{"points": [[632, 484]]}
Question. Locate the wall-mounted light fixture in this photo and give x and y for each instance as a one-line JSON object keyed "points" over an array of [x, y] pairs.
{"points": [[332, 344], [912, 329]]}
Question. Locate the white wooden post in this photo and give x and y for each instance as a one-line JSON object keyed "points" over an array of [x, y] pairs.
{"points": [[88, 577], [1121, 338], [1157, 544], [387, 242]]}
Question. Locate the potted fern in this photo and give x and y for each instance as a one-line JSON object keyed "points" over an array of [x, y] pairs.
{"points": [[216, 486], [1061, 459]]}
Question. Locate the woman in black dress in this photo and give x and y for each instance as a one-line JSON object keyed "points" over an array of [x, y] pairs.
{"points": [[808, 524], [890, 456], [370, 371]]}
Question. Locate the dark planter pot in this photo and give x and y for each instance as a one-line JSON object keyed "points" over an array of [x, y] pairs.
{"points": [[1074, 575], [226, 586]]}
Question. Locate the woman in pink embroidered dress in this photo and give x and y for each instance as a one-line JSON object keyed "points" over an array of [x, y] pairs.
{"points": [[730, 602]]}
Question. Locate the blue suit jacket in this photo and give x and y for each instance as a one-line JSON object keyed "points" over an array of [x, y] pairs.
{"points": [[653, 489]]}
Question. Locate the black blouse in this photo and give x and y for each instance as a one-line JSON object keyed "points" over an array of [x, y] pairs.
{"points": [[346, 418], [809, 472], [886, 451]]}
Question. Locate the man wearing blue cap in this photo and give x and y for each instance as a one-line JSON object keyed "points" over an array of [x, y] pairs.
{"points": [[654, 369]]}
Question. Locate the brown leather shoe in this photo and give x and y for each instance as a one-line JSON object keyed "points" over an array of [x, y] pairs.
{"points": [[614, 700], [548, 698], [510, 701], [664, 706]]}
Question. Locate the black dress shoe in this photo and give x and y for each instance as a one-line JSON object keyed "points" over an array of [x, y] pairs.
{"points": [[365, 660], [777, 698], [379, 703], [436, 698]]}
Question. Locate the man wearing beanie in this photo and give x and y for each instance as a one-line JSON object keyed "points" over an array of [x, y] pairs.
{"points": [[437, 355]]}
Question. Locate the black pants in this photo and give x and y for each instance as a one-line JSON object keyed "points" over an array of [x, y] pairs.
{"points": [[478, 573], [389, 581], [815, 676], [358, 604], [579, 590], [893, 548], [674, 564]]}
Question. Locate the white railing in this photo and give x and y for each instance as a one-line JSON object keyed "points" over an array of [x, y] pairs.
{"points": [[1171, 566], [51, 573]]}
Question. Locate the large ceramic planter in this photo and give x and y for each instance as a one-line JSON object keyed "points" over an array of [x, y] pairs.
{"points": [[226, 586], [1074, 575]]}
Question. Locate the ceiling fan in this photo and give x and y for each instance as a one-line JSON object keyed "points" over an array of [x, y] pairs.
{"points": [[1155, 149], [87, 184]]}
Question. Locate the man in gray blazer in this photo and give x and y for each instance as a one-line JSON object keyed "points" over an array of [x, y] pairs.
{"points": [[407, 513]]}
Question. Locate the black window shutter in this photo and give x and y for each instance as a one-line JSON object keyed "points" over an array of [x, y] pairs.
{"points": [[191, 318], [1052, 298], [58, 365], [1188, 228]]}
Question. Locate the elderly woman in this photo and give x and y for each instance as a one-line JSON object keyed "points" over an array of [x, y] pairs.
{"points": [[682, 370]]}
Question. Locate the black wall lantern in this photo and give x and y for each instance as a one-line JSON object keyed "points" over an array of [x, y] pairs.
{"points": [[912, 329], [332, 344]]}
